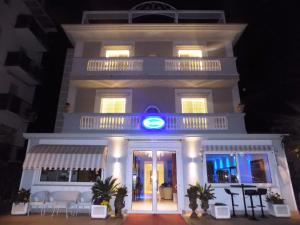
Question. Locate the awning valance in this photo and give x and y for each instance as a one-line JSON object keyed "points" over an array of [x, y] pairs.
{"points": [[237, 147], [65, 157]]}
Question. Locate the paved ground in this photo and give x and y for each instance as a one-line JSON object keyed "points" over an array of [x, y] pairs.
{"points": [[36, 219], [154, 219], [208, 220]]}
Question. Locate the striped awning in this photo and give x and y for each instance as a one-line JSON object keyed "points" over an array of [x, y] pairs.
{"points": [[65, 157], [237, 147]]}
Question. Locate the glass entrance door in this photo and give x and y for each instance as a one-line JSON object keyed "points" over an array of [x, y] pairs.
{"points": [[154, 181], [166, 191]]}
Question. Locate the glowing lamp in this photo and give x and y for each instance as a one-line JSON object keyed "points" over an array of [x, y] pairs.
{"points": [[153, 123]]}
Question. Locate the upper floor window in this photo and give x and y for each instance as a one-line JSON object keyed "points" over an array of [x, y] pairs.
{"points": [[189, 51], [113, 105], [117, 51], [194, 105], [113, 101]]}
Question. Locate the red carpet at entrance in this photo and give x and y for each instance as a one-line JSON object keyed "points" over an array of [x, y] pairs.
{"points": [[154, 219]]}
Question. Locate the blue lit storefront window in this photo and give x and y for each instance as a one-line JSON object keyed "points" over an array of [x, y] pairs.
{"points": [[238, 168], [221, 168], [254, 168]]}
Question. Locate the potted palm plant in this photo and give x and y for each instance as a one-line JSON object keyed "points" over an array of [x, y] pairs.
{"points": [[205, 194], [20, 205], [192, 194], [103, 190], [119, 201]]}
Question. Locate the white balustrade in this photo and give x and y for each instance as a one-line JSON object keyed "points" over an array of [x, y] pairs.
{"points": [[192, 65], [114, 65], [173, 122]]}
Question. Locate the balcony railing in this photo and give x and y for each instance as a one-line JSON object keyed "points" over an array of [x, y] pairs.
{"points": [[28, 21], [115, 65], [156, 66], [192, 65], [20, 64], [173, 122], [16, 105]]}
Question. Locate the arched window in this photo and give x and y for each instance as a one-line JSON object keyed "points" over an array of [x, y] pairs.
{"points": [[152, 109]]}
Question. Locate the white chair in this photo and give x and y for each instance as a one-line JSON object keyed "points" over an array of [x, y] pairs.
{"points": [[64, 200], [38, 200], [85, 202]]}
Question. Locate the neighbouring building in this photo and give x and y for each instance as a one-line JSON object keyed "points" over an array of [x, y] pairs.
{"points": [[24, 26], [157, 106]]}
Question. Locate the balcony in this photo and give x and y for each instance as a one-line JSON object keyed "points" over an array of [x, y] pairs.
{"points": [[14, 104], [155, 66], [175, 123], [23, 67], [30, 33]]}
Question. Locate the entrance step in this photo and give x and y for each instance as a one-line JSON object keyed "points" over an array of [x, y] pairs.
{"points": [[154, 219]]}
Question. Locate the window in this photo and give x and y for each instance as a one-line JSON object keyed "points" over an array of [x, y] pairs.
{"points": [[50, 175], [113, 101], [113, 105], [55, 175], [85, 175], [254, 168], [221, 168], [193, 105], [238, 168], [116, 53], [189, 51]]}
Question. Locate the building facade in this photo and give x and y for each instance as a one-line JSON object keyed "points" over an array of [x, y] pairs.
{"points": [[157, 106], [23, 30]]}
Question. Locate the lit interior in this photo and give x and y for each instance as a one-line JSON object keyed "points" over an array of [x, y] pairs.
{"points": [[143, 177], [113, 105], [117, 53], [194, 105], [189, 53]]}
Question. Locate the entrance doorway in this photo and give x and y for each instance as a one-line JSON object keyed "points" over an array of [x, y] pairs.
{"points": [[154, 181]]}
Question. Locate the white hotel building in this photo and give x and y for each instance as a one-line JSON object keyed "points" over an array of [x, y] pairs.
{"points": [[155, 105]]}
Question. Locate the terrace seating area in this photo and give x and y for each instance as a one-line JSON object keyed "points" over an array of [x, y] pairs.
{"points": [[251, 210], [69, 202]]}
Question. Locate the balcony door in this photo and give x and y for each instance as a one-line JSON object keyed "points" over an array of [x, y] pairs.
{"points": [[154, 181]]}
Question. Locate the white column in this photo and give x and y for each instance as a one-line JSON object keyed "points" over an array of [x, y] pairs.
{"points": [[284, 178], [78, 49]]}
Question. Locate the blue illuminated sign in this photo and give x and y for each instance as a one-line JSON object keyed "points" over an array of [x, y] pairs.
{"points": [[153, 122]]}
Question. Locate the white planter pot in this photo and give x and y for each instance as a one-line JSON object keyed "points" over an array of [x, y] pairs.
{"points": [[220, 211], [279, 210], [99, 212], [19, 209]]}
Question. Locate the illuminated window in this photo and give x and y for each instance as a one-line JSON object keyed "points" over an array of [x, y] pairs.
{"points": [[254, 168], [117, 53], [113, 105], [194, 105], [221, 168], [189, 53]]}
